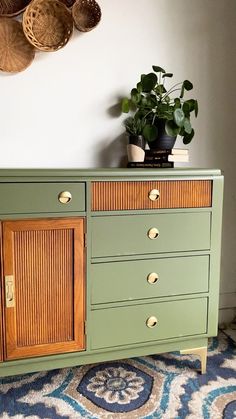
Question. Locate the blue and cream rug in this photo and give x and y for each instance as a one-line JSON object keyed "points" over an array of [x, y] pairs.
{"points": [[161, 387]]}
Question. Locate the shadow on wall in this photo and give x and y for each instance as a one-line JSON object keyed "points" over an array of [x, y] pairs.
{"points": [[114, 154]]}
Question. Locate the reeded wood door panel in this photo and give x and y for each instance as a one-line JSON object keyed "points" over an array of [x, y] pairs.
{"points": [[45, 259]]}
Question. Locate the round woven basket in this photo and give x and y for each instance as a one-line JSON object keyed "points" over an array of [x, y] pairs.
{"points": [[12, 7], [47, 24], [16, 53], [68, 3], [86, 14]]}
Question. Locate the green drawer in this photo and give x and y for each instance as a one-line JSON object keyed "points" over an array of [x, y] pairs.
{"points": [[128, 235], [28, 198], [120, 281], [127, 325]]}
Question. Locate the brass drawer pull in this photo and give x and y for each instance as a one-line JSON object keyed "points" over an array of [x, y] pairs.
{"points": [[152, 278], [10, 291], [151, 322], [153, 233], [64, 197], [154, 195]]}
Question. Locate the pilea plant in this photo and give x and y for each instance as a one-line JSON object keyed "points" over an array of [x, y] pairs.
{"points": [[151, 102]]}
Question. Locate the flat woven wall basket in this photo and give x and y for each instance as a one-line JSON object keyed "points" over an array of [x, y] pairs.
{"points": [[68, 3], [86, 14], [47, 24], [12, 7], [16, 53]]}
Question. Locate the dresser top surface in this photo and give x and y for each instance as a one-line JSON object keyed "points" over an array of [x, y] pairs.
{"points": [[9, 175]]}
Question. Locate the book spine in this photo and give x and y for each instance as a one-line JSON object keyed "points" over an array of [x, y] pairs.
{"points": [[150, 165], [156, 159], [165, 152]]}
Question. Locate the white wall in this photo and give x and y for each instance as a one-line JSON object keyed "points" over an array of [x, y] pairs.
{"points": [[61, 111]]}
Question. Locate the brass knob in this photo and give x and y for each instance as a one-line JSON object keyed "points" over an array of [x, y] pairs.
{"points": [[152, 278], [151, 322], [64, 197], [154, 195], [153, 233]]}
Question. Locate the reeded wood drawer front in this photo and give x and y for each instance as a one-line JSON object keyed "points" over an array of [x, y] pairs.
{"points": [[127, 325], [40, 197], [131, 280], [128, 234], [111, 196]]}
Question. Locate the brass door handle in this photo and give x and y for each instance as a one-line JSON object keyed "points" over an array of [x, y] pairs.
{"points": [[10, 291], [151, 322], [64, 197], [153, 233], [154, 195], [153, 278]]}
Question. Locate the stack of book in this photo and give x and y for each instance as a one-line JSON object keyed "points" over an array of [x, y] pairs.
{"points": [[162, 158]]}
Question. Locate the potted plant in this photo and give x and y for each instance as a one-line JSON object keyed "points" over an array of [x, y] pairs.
{"points": [[164, 115], [134, 126]]}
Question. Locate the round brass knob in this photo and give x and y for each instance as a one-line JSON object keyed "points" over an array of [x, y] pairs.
{"points": [[153, 233], [64, 197], [154, 194], [151, 322], [152, 278]]}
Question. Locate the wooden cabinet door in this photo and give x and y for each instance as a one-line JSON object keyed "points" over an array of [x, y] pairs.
{"points": [[44, 286], [1, 296]]}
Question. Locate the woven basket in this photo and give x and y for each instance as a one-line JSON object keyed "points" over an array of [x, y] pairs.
{"points": [[47, 24], [86, 14], [12, 7], [16, 53], [68, 3]]}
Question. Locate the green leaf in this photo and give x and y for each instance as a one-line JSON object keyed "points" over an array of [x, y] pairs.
{"points": [[179, 117], [187, 85], [190, 103], [177, 103], [149, 81], [150, 132], [188, 137], [125, 105], [167, 99], [171, 128], [186, 108], [158, 69], [167, 75], [196, 108], [187, 126], [139, 87], [160, 89], [135, 96]]}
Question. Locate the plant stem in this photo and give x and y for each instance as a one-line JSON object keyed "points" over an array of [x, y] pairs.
{"points": [[170, 91]]}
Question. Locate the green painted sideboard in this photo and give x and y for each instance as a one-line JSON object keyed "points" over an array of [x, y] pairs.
{"points": [[105, 264]]}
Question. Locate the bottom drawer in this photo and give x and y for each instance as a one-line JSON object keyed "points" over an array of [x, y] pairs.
{"points": [[128, 325]]}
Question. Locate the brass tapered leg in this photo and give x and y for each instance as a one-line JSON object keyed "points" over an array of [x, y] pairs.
{"points": [[201, 352]]}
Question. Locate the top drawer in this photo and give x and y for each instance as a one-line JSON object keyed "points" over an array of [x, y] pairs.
{"points": [[28, 198], [114, 196]]}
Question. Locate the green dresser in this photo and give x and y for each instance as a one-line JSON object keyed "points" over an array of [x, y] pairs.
{"points": [[104, 264]]}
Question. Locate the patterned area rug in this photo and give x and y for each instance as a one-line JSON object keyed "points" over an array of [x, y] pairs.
{"points": [[161, 387]]}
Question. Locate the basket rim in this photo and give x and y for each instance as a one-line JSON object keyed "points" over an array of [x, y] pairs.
{"points": [[17, 12]]}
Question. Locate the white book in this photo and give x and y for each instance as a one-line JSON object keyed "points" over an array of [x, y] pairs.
{"points": [[178, 158], [181, 151]]}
